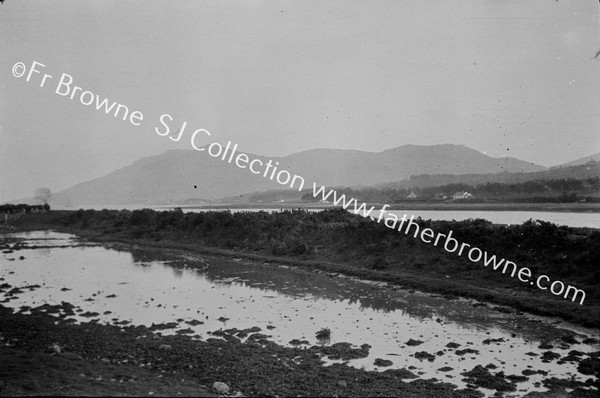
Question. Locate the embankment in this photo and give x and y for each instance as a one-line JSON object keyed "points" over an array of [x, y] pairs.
{"points": [[336, 241]]}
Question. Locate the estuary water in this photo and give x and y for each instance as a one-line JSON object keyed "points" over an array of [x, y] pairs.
{"points": [[126, 284]]}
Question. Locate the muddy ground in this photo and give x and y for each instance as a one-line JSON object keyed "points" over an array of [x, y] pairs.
{"points": [[44, 353], [94, 359]]}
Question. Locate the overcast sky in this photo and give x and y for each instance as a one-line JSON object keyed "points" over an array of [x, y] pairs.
{"points": [[508, 78]]}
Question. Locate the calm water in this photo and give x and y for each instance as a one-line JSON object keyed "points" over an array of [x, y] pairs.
{"points": [[145, 287], [589, 220]]}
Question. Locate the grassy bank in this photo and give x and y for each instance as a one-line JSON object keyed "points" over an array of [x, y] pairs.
{"points": [[336, 241]]}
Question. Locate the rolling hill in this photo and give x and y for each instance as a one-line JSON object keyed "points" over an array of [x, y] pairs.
{"points": [[592, 158], [581, 171], [177, 175]]}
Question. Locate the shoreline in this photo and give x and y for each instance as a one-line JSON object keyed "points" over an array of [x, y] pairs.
{"points": [[97, 359], [108, 359], [515, 297], [533, 207]]}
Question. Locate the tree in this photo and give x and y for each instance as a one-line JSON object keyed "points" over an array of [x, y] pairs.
{"points": [[43, 195]]}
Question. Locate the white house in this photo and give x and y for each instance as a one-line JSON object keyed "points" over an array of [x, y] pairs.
{"points": [[462, 195]]}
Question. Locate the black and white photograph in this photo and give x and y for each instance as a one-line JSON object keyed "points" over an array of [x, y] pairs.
{"points": [[293, 198]]}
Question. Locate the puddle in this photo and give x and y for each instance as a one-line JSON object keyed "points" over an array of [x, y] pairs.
{"points": [[206, 294]]}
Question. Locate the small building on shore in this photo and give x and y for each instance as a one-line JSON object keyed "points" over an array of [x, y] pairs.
{"points": [[462, 195]]}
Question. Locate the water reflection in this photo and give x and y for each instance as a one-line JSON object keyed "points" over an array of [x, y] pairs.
{"points": [[297, 283], [44, 251], [155, 286]]}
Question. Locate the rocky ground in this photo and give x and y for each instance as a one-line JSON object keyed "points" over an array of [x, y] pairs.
{"points": [[45, 353]]}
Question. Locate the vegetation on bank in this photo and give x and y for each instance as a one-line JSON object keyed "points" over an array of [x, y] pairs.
{"points": [[23, 208], [537, 191], [365, 248], [484, 188]]}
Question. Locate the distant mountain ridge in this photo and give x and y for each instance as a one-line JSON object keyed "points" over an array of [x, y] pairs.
{"points": [[592, 158], [177, 175], [582, 171]]}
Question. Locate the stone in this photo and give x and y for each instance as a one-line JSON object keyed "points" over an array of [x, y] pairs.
{"points": [[382, 362], [221, 388], [55, 348]]}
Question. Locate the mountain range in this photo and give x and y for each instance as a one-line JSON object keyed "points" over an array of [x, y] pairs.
{"points": [[179, 175]]}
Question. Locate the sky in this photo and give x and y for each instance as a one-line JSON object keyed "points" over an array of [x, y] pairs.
{"points": [[507, 78]]}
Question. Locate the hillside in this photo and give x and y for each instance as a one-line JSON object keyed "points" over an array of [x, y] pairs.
{"points": [[180, 175], [592, 158], [583, 171]]}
